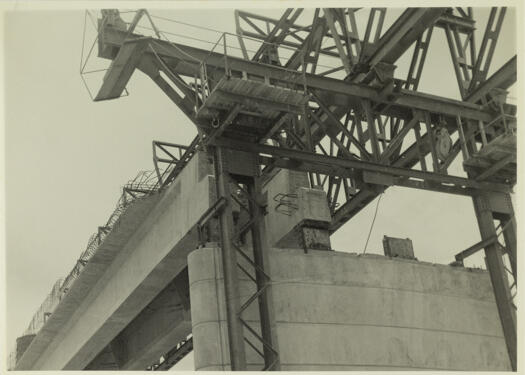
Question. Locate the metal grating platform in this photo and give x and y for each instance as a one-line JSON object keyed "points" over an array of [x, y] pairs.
{"points": [[496, 161], [251, 107]]}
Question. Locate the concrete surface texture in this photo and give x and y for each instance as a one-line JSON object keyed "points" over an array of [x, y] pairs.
{"points": [[164, 321], [304, 204], [22, 343], [52, 331], [340, 311]]}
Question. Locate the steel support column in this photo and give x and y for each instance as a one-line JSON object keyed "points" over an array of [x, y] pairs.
{"points": [[510, 236], [271, 358], [229, 264], [486, 214], [247, 195], [498, 275]]}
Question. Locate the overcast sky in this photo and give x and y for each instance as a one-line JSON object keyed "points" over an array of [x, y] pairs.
{"points": [[68, 157]]}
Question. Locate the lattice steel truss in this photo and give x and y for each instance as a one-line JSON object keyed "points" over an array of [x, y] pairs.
{"points": [[272, 90]]}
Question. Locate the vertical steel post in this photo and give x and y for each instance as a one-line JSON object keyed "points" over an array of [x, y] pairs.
{"points": [[494, 262], [420, 153], [462, 139], [229, 265], [370, 120], [509, 234], [271, 359], [498, 276], [483, 134], [226, 67], [431, 137]]}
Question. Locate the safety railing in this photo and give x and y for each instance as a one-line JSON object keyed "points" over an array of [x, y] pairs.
{"points": [[143, 185], [46, 309], [166, 156], [39, 318], [222, 63], [503, 123], [209, 75], [224, 51]]}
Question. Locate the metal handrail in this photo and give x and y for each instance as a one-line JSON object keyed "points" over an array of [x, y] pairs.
{"points": [[207, 80]]}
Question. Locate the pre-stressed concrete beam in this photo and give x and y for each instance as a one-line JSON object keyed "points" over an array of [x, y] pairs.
{"points": [[141, 267], [159, 326]]}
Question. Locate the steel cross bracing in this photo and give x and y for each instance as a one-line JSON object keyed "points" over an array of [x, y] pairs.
{"points": [[238, 184], [471, 69], [355, 134]]}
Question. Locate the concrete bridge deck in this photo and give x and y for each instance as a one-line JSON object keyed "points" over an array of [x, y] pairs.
{"points": [[137, 260]]}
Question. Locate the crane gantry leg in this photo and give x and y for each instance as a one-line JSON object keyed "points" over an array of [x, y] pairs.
{"points": [[489, 208], [240, 172]]}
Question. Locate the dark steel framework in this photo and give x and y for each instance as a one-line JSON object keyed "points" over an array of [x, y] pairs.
{"points": [[174, 356], [354, 127]]}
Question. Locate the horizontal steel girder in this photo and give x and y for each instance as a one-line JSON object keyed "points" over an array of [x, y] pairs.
{"points": [[184, 60], [345, 167]]}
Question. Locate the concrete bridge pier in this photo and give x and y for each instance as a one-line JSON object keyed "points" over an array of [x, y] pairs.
{"points": [[341, 311]]}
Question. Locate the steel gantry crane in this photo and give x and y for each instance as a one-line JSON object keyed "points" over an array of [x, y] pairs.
{"points": [[355, 128]]}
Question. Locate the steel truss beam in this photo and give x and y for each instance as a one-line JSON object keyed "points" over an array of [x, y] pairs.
{"points": [[345, 17], [420, 97], [168, 154], [400, 36], [497, 270], [418, 60], [471, 70], [386, 46], [488, 45], [179, 101], [341, 92], [412, 82], [308, 55]]}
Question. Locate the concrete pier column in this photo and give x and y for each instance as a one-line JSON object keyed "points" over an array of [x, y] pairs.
{"points": [[208, 311]]}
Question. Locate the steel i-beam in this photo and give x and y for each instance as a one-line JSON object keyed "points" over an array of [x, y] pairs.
{"points": [[229, 263]]}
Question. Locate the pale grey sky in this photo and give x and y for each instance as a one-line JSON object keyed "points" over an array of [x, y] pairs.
{"points": [[67, 157]]}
